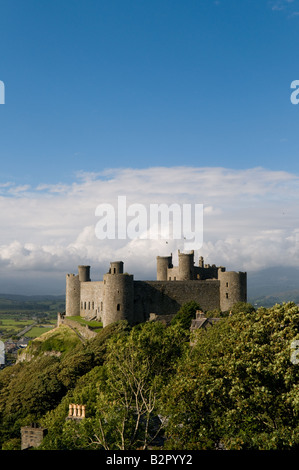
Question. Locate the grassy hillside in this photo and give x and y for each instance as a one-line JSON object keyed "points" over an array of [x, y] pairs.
{"points": [[277, 298], [56, 341], [236, 387], [53, 364]]}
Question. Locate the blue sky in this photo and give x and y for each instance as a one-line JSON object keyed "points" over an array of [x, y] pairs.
{"points": [[158, 100], [97, 84]]}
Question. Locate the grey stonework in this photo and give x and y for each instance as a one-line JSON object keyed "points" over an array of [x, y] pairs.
{"points": [[119, 297], [32, 436]]}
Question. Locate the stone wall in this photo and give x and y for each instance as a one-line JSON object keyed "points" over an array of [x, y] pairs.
{"points": [[83, 331], [91, 299], [32, 436], [166, 297]]}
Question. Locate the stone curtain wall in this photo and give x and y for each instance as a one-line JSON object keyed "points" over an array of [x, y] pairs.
{"points": [[83, 331], [91, 299], [166, 297]]}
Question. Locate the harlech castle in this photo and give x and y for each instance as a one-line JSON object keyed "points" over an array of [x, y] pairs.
{"points": [[119, 297]]}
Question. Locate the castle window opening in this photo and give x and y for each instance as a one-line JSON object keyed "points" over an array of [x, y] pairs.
{"points": [[226, 295], [84, 305], [227, 284], [88, 305], [92, 305], [118, 307]]}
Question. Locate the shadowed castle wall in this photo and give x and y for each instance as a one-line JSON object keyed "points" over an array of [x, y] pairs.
{"points": [[166, 297]]}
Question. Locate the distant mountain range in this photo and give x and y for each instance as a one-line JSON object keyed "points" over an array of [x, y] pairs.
{"points": [[265, 287], [273, 285], [32, 298]]}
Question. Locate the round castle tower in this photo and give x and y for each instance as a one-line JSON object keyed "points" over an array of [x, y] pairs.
{"points": [[118, 301], [233, 288], [163, 263], [72, 297], [84, 273], [116, 267], [186, 266]]}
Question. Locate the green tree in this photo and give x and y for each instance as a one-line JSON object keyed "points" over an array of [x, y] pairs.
{"points": [[237, 387], [12, 444], [71, 435], [136, 369], [242, 307], [185, 315]]}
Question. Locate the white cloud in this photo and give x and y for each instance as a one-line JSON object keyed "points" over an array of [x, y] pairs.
{"points": [[279, 5], [250, 221]]}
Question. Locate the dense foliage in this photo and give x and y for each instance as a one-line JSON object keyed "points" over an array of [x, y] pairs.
{"points": [[186, 314], [236, 387]]}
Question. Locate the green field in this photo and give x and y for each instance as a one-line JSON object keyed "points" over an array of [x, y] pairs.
{"points": [[12, 322], [12, 325], [36, 331], [18, 313]]}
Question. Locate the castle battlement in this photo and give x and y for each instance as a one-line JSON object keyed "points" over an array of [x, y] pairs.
{"points": [[119, 297]]}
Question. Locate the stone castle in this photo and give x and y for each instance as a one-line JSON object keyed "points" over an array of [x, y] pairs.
{"points": [[119, 297]]}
